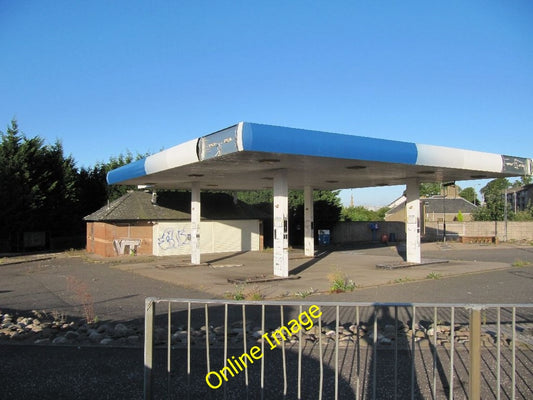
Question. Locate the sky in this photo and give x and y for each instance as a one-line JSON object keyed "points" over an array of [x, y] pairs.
{"points": [[107, 77]]}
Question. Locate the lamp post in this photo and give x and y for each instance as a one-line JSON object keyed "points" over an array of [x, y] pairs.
{"points": [[444, 215], [425, 204], [445, 185]]}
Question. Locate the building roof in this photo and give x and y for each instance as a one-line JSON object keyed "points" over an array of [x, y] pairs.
{"points": [[441, 205], [246, 156], [175, 206], [518, 189]]}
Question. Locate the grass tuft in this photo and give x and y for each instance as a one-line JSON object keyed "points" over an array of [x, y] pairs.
{"points": [[433, 275]]}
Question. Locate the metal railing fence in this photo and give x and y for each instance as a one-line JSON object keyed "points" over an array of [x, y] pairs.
{"points": [[304, 349]]}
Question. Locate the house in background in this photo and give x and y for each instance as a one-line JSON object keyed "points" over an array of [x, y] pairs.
{"points": [[435, 209], [159, 224], [520, 198]]}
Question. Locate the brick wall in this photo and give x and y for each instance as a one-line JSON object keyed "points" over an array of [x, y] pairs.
{"points": [[101, 237]]}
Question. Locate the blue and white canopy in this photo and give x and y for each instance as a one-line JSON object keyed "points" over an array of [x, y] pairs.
{"points": [[246, 155]]}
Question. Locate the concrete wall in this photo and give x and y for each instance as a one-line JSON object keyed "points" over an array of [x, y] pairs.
{"points": [[346, 232], [516, 230]]}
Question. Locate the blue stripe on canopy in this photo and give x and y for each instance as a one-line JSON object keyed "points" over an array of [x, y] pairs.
{"points": [[277, 139]]}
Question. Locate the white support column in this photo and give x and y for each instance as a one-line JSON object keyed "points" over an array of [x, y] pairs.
{"points": [[412, 223], [309, 238], [195, 223], [281, 224]]}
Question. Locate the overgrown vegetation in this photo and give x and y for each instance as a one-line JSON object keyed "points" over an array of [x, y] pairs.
{"points": [[340, 283]]}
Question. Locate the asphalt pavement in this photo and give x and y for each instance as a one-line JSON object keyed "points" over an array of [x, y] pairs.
{"points": [[117, 289]]}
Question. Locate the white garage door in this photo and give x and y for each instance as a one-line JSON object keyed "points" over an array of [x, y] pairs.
{"points": [[173, 238]]}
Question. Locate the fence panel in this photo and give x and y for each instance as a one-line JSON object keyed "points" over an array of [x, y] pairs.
{"points": [[312, 350]]}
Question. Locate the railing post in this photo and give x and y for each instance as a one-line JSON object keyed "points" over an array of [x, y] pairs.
{"points": [[149, 313], [474, 384]]}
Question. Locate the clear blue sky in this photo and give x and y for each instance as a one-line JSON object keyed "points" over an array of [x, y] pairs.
{"points": [[108, 76]]}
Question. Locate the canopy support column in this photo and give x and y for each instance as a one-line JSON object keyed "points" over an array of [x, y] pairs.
{"points": [[412, 223], [195, 223], [281, 224], [309, 238]]}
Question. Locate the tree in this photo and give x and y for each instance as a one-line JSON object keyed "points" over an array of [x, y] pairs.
{"points": [[430, 189], [93, 189], [523, 181], [469, 194], [255, 197], [493, 194], [361, 213], [37, 187]]}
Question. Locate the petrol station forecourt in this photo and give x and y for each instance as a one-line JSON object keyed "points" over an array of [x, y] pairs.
{"points": [[250, 156]]}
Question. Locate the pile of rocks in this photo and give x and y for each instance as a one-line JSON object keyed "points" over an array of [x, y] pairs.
{"points": [[426, 330], [423, 333], [43, 328]]}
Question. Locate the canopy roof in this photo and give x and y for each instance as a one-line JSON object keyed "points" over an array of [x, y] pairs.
{"points": [[245, 156]]}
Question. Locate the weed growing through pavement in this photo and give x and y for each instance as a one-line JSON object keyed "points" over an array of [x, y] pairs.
{"points": [[80, 289], [434, 275], [237, 294], [254, 294], [520, 263], [340, 282]]}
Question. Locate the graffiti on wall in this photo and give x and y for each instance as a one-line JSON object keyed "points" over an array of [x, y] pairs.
{"points": [[121, 245], [173, 239]]}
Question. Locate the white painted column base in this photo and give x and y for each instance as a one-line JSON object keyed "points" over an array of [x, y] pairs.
{"points": [[195, 223], [281, 224], [309, 238], [412, 223]]}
